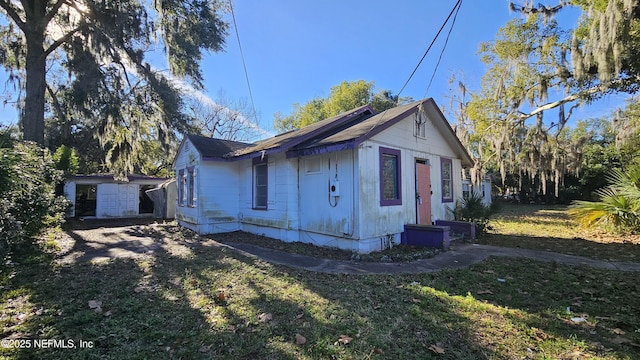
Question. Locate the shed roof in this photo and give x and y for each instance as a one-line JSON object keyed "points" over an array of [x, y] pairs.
{"points": [[111, 177]]}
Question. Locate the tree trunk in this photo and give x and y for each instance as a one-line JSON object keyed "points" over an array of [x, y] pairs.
{"points": [[557, 184], [33, 111]]}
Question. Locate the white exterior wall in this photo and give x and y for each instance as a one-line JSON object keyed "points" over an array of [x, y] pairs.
{"points": [[325, 219], [300, 206], [216, 188], [483, 190], [218, 193], [381, 226], [186, 216], [113, 199], [280, 220], [70, 194]]}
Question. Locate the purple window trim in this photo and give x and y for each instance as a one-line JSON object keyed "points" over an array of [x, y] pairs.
{"points": [[181, 188], [444, 161], [191, 183], [386, 151], [256, 161]]}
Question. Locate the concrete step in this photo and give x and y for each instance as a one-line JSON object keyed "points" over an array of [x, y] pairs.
{"points": [[455, 238]]}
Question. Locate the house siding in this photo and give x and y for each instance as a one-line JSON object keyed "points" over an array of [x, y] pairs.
{"points": [[216, 204], [280, 218], [186, 216], [324, 218], [387, 222], [300, 204], [114, 199]]}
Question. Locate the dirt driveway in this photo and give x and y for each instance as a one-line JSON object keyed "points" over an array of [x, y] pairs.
{"points": [[104, 240]]}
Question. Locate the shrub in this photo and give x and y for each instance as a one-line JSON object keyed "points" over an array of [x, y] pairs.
{"points": [[618, 207], [27, 192], [66, 159], [473, 209]]}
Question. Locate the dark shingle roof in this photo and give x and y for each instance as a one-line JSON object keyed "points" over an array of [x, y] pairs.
{"points": [[366, 127], [292, 138], [373, 125], [215, 148], [347, 129]]}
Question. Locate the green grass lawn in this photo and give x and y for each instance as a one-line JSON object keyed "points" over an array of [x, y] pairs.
{"points": [[210, 302], [548, 227]]}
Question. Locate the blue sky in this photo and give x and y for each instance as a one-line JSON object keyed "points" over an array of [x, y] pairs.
{"points": [[298, 50]]}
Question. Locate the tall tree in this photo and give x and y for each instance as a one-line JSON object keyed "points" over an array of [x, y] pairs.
{"points": [[605, 44], [535, 66], [626, 125], [343, 97], [526, 62], [103, 48]]}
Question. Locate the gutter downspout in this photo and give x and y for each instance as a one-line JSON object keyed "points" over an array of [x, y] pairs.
{"points": [[299, 227], [354, 196]]}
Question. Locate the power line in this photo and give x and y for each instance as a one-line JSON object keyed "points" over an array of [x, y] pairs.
{"points": [[430, 45], [446, 41], [244, 65]]}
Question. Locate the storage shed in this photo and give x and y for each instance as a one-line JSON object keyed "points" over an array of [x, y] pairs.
{"points": [[107, 196]]}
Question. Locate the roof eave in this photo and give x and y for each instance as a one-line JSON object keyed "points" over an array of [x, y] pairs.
{"points": [[287, 145], [323, 149], [378, 129]]}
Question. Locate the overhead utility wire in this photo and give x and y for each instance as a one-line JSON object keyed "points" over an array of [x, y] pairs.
{"points": [[456, 6], [246, 74], [446, 41], [430, 45]]}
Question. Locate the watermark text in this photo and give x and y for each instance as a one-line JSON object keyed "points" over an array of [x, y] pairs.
{"points": [[46, 344]]}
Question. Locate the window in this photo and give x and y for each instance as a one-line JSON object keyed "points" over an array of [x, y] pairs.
{"points": [[191, 192], [420, 129], [447, 179], [313, 165], [260, 183], [390, 180], [182, 185], [466, 190]]}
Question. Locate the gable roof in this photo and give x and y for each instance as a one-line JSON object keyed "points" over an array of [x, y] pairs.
{"points": [[354, 135], [340, 132]]}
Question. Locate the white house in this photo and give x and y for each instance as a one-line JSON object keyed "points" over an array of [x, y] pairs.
{"points": [[105, 196], [483, 189], [351, 181]]}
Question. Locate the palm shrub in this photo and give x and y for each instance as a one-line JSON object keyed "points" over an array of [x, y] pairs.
{"points": [[473, 209], [618, 205], [28, 202]]}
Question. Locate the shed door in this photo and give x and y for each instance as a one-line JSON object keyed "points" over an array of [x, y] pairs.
{"points": [[128, 198], [423, 193], [107, 201]]}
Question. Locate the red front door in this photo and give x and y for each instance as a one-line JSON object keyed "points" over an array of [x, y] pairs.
{"points": [[423, 193]]}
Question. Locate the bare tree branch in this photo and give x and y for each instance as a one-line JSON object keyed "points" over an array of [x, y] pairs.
{"points": [[13, 14], [573, 97], [58, 109], [53, 12], [61, 40]]}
